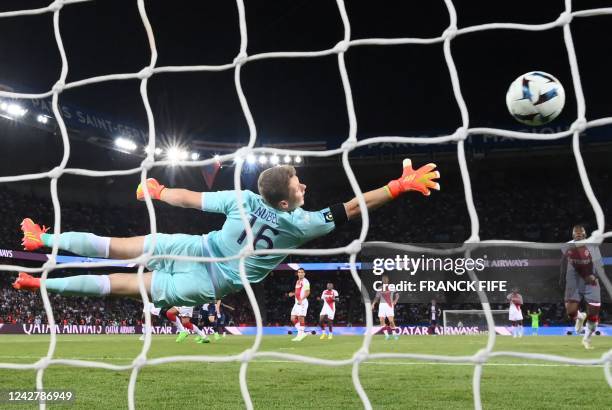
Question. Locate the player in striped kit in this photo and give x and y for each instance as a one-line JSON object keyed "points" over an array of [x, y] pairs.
{"points": [[300, 308], [387, 299], [580, 267], [328, 311], [515, 315]]}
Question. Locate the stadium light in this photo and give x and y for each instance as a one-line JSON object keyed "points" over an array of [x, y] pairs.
{"points": [[3, 106], [195, 156], [217, 157], [298, 159], [15, 109], [274, 159], [263, 159], [251, 159], [126, 144], [176, 154], [287, 159], [43, 119], [158, 151], [173, 154]]}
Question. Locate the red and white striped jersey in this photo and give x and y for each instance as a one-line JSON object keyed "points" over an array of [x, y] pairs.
{"points": [[301, 286], [386, 297], [515, 299], [329, 297]]}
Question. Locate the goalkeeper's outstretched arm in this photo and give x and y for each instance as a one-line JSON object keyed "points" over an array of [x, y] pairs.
{"points": [[180, 197], [421, 180]]}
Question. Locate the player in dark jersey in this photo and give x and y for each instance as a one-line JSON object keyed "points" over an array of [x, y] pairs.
{"points": [[434, 313], [216, 317], [580, 267]]}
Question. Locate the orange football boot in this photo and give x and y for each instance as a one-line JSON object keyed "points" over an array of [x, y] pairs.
{"points": [[26, 282], [31, 234]]}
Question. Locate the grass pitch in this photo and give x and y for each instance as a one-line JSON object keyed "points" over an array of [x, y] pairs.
{"points": [[507, 383]]}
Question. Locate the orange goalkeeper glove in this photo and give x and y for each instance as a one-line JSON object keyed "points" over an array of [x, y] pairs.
{"points": [[420, 180], [155, 189]]}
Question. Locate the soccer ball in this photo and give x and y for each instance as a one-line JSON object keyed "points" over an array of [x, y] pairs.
{"points": [[535, 98]]}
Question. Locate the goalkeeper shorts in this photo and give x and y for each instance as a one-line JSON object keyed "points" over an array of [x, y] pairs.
{"points": [[176, 282]]}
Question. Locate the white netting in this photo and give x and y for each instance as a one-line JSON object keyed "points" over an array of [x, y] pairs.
{"points": [[351, 143], [470, 317]]}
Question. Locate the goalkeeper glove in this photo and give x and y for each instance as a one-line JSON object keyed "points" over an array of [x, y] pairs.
{"points": [[420, 180], [155, 189]]}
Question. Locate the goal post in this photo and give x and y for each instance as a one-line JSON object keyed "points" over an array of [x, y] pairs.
{"points": [[472, 318]]}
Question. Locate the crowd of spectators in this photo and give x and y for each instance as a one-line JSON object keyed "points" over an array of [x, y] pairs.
{"points": [[27, 308], [523, 205]]}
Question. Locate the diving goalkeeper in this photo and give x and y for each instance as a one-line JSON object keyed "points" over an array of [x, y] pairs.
{"points": [[276, 218]]}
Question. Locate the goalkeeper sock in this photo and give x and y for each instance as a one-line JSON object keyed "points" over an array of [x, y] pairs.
{"points": [[83, 285], [81, 243]]}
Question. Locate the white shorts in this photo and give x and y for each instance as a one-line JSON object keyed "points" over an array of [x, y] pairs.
{"points": [[326, 310], [185, 311], [300, 310], [385, 310], [151, 308], [515, 315]]}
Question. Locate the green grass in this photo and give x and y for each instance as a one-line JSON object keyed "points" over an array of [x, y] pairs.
{"points": [[507, 383]]}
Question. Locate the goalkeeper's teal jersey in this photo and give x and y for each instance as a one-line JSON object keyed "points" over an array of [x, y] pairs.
{"points": [[272, 229]]}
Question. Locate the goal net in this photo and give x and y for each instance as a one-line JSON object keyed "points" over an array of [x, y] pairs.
{"points": [[471, 318], [445, 40]]}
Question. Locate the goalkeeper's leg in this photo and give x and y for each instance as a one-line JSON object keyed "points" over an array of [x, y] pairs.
{"points": [[82, 243], [118, 284]]}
